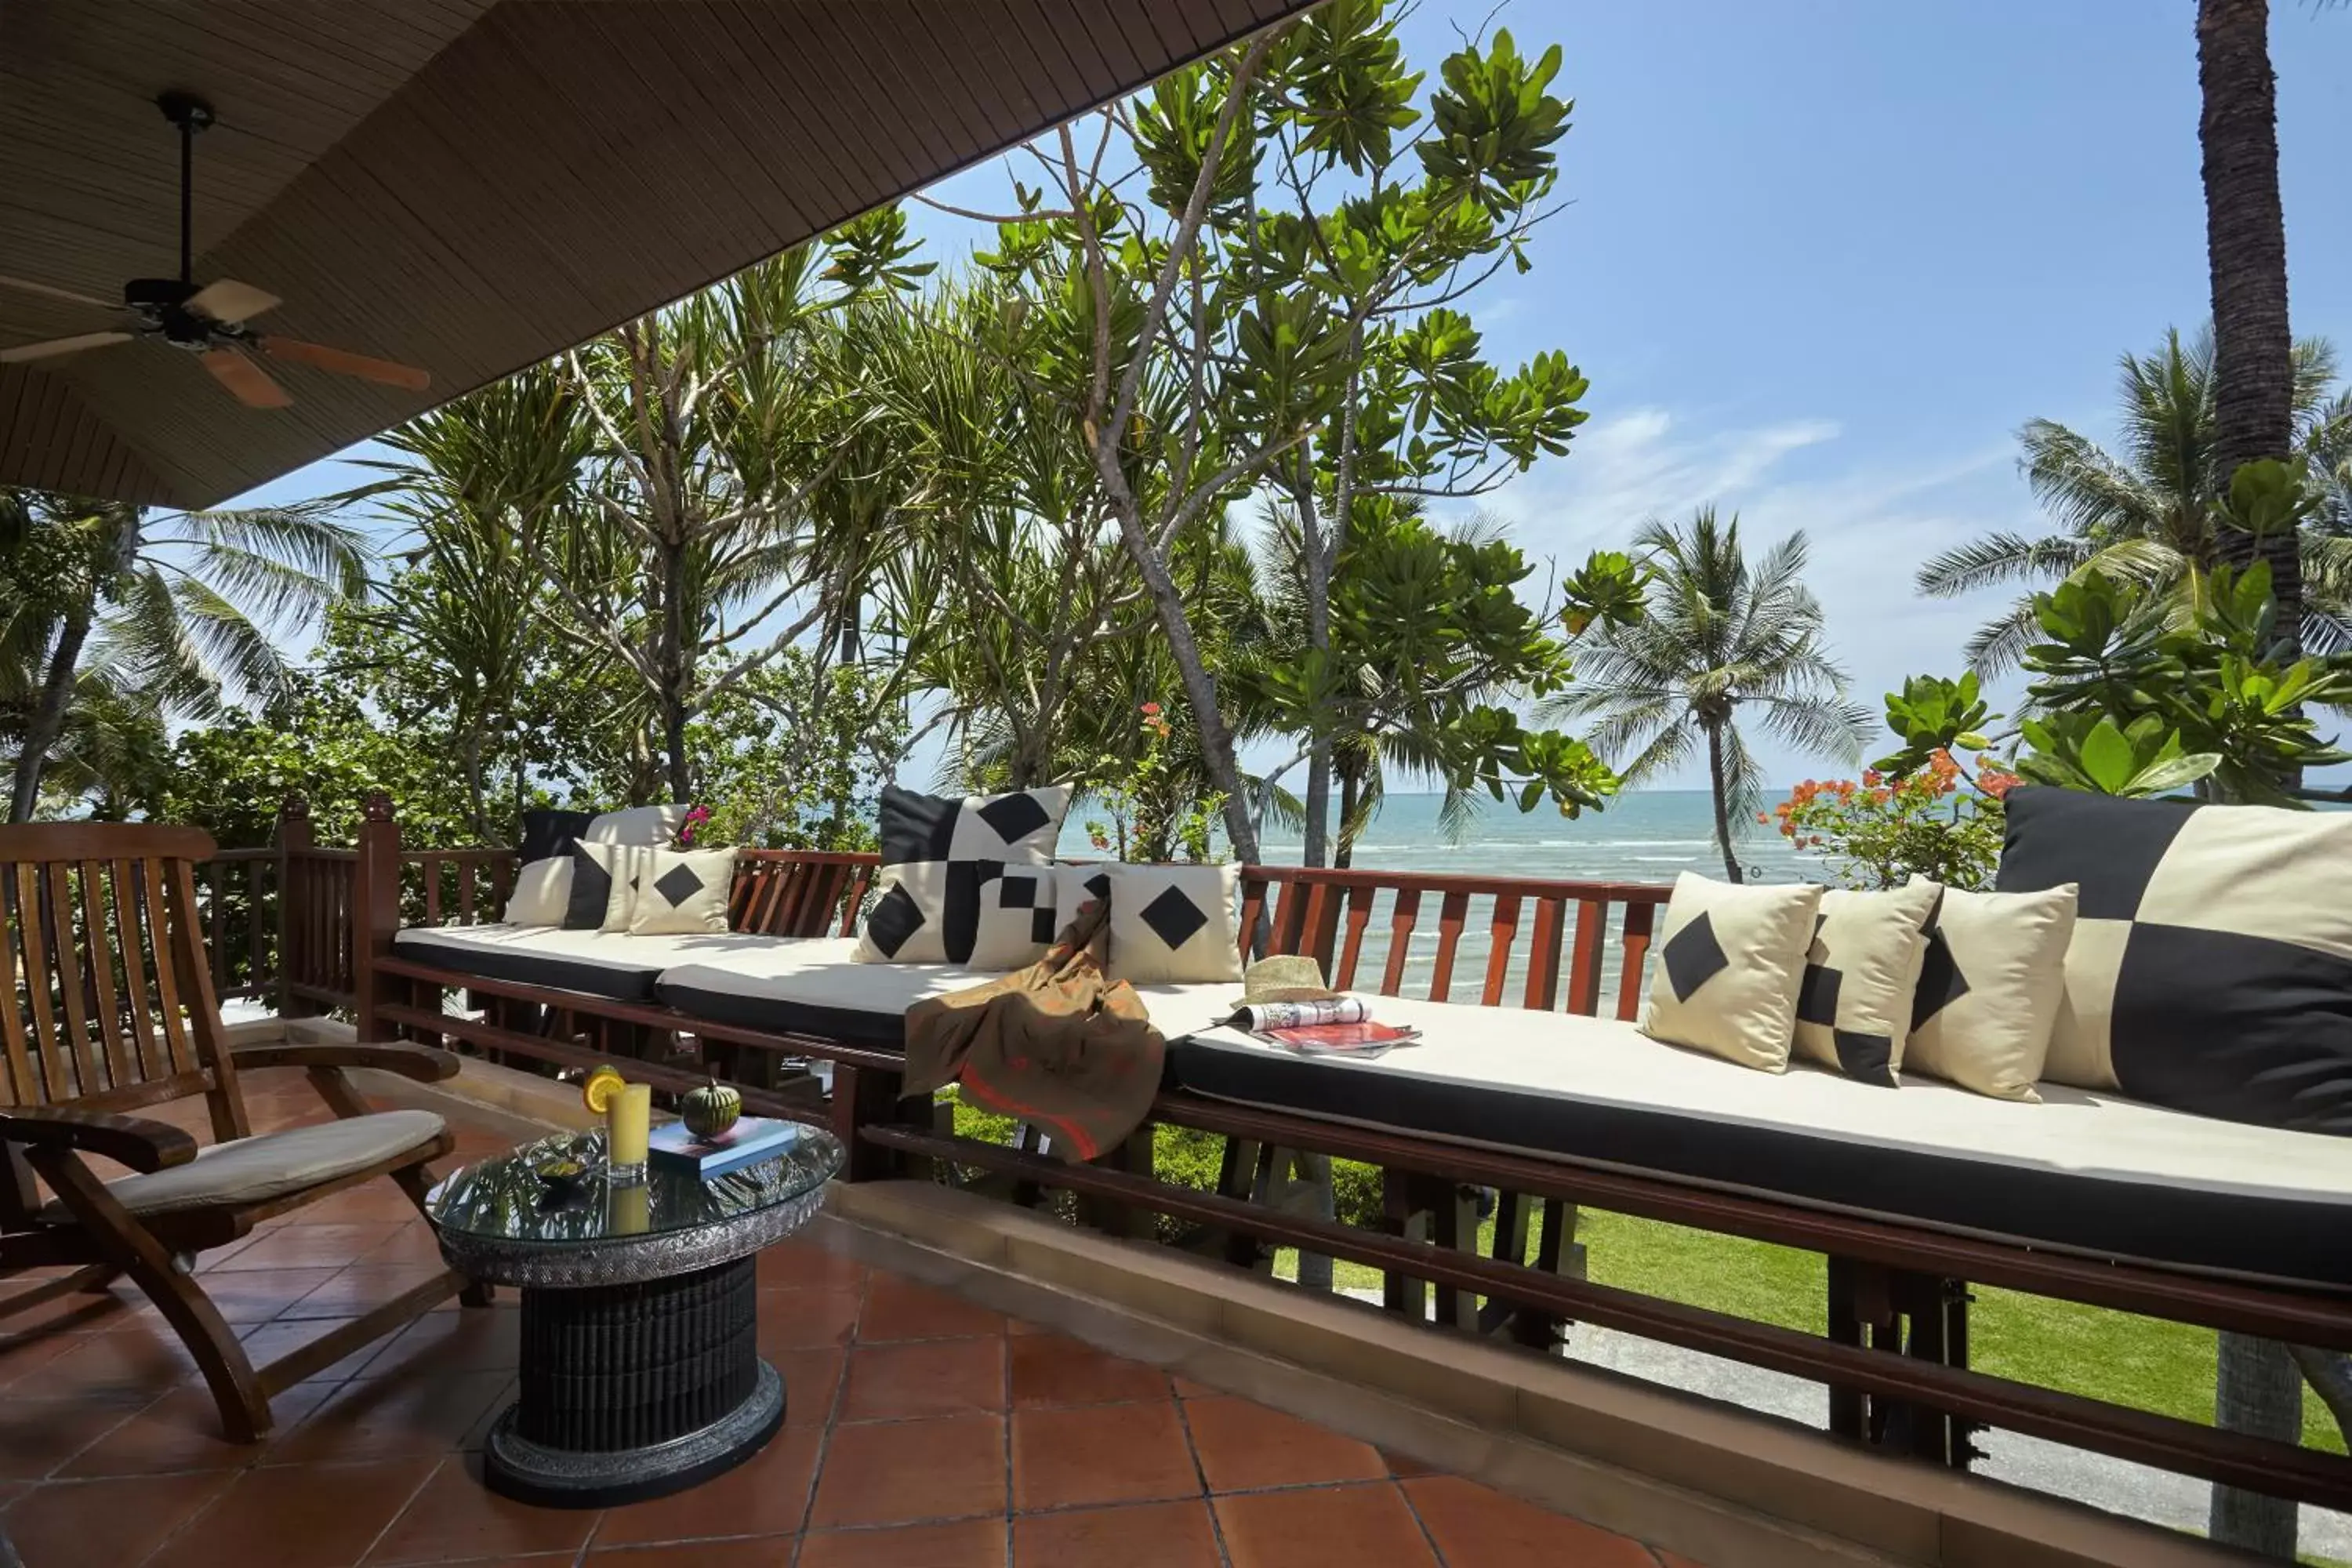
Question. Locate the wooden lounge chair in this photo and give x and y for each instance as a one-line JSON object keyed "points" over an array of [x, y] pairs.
{"points": [[111, 1010]]}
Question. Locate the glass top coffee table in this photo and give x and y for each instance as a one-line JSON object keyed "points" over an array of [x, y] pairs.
{"points": [[641, 1372]]}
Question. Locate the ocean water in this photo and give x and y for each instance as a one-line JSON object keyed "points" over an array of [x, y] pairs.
{"points": [[1645, 836]]}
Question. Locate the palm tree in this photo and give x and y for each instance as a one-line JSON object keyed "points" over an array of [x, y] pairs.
{"points": [[2152, 512], [481, 483], [1716, 636], [2245, 252], [181, 607]]}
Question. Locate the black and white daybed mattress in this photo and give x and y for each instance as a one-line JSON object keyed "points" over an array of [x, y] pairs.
{"points": [[2082, 1173]]}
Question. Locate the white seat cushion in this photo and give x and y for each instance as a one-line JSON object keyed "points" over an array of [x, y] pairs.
{"points": [[251, 1170]]}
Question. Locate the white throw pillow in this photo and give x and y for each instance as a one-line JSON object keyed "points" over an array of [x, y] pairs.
{"points": [[1862, 973], [1175, 925], [648, 824], [1991, 989], [543, 891], [681, 891], [1730, 961]]}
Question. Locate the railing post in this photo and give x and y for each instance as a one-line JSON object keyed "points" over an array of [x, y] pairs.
{"points": [[295, 832], [375, 907]]}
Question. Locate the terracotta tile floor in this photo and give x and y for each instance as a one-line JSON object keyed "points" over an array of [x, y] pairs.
{"points": [[922, 1432]]}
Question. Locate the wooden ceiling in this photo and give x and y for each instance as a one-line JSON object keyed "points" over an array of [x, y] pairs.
{"points": [[470, 186]]}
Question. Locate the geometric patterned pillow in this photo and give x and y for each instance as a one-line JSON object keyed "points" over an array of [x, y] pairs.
{"points": [[682, 891], [965, 880], [1991, 987], [1854, 1008], [2211, 969], [1732, 961], [1175, 925]]}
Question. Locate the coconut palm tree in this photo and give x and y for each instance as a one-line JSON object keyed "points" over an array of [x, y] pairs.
{"points": [[2151, 510], [1717, 636], [183, 607]]}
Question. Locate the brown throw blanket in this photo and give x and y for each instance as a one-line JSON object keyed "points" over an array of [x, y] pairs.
{"points": [[1058, 1045]]}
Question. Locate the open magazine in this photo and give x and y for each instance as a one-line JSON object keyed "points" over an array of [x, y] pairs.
{"points": [[1338, 1026]]}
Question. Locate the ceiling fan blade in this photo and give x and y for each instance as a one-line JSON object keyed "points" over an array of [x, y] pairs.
{"points": [[56, 346], [229, 301], [28, 286], [344, 362], [249, 383]]}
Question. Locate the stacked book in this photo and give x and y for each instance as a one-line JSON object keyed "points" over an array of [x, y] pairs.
{"points": [[752, 1139]]}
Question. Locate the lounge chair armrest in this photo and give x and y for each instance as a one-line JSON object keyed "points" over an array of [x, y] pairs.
{"points": [[425, 1063], [133, 1140]]}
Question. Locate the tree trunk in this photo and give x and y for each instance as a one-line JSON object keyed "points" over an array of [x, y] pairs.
{"points": [[1722, 802], [48, 721], [1316, 841], [2245, 247], [671, 661], [1350, 795], [469, 759], [1200, 688], [2257, 1389]]}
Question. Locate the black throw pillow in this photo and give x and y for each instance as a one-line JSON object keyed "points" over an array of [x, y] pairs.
{"points": [[546, 831]]}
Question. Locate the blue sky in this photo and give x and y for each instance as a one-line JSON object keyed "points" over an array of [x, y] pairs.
{"points": [[1824, 257]]}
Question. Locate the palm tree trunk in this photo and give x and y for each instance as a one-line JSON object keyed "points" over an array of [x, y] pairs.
{"points": [[2258, 1390], [1722, 802], [48, 716], [2245, 247], [1350, 794]]}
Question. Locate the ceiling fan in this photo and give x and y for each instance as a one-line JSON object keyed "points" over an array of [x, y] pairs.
{"points": [[208, 321]]}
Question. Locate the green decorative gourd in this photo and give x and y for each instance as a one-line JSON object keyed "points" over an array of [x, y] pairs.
{"points": [[711, 1110]]}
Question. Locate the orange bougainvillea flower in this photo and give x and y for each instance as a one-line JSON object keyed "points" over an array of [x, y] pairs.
{"points": [[1995, 783], [1151, 710], [1872, 777]]}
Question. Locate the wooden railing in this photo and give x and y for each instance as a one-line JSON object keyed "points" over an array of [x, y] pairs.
{"points": [[1358, 923]]}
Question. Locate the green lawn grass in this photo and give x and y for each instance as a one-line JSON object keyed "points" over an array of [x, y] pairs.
{"points": [[2143, 1363]]}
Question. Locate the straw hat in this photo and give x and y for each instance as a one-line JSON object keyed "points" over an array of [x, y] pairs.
{"points": [[1286, 977]]}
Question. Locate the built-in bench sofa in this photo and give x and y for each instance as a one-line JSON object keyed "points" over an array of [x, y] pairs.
{"points": [[1908, 1192]]}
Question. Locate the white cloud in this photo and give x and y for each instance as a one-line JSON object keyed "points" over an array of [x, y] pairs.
{"points": [[1870, 524]]}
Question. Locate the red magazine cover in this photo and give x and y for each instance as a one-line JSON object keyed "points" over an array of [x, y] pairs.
{"points": [[1342, 1037]]}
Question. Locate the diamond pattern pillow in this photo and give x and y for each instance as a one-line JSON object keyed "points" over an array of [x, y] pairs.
{"points": [[1175, 925], [681, 891], [1853, 1008], [965, 880], [1730, 961], [1990, 988]]}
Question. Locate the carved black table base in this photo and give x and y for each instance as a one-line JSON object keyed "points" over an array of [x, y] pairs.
{"points": [[631, 1392], [641, 1372]]}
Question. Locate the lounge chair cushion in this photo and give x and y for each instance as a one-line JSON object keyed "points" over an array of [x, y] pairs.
{"points": [[2211, 968], [813, 985], [548, 832], [600, 964], [1991, 989], [1731, 962], [254, 1170], [965, 880], [1175, 925], [1853, 1008], [2087, 1173]]}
